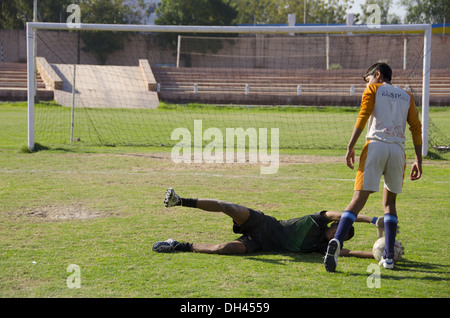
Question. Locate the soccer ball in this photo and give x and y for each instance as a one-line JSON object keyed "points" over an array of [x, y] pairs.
{"points": [[378, 249]]}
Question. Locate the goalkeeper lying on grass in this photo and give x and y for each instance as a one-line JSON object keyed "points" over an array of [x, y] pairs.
{"points": [[263, 233]]}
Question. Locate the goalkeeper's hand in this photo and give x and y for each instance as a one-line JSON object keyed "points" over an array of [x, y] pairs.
{"points": [[379, 223]]}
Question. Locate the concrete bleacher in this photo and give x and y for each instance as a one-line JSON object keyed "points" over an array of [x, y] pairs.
{"points": [[13, 83], [276, 87], [97, 86], [107, 86], [143, 86]]}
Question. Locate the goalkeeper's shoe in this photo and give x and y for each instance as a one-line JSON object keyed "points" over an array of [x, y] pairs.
{"points": [[172, 198], [166, 246], [387, 263], [331, 258]]}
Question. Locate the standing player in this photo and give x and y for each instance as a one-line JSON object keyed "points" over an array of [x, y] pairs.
{"points": [[260, 232], [387, 108]]}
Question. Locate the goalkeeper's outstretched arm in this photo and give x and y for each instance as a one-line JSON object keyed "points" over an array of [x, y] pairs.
{"points": [[336, 217], [358, 254]]}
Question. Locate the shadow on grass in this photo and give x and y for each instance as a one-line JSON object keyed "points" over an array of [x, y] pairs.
{"points": [[411, 270], [38, 147], [289, 257], [418, 270], [421, 267]]}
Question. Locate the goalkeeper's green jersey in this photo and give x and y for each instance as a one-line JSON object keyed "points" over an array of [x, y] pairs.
{"points": [[304, 234], [265, 233]]}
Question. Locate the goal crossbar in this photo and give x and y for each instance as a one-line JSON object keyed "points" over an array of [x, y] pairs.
{"points": [[426, 29], [362, 28]]}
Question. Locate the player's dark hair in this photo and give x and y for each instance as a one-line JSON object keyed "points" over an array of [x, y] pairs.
{"points": [[350, 233], [385, 71]]}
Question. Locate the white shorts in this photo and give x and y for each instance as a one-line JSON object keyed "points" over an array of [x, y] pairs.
{"points": [[381, 158]]}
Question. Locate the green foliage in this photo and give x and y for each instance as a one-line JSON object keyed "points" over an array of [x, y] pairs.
{"points": [[10, 18], [427, 11], [328, 11], [387, 17], [335, 66], [102, 43], [15, 13], [195, 12], [273, 12], [98, 42]]}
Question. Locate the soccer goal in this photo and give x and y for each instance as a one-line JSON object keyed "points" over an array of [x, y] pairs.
{"points": [[135, 84]]}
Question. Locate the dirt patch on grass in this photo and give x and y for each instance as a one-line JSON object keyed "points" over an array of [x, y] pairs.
{"points": [[165, 162], [283, 158], [63, 212]]}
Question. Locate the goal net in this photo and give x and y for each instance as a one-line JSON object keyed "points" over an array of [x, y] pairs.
{"points": [[135, 85]]}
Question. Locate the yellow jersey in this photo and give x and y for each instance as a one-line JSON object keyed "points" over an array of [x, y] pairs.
{"points": [[388, 108]]}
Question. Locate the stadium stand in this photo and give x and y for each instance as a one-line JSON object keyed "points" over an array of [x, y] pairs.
{"points": [[304, 87], [13, 83], [225, 86]]}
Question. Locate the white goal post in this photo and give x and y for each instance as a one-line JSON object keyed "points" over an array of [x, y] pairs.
{"points": [[419, 28]]}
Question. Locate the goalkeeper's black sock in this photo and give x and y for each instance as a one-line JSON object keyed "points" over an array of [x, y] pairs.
{"points": [[184, 247], [191, 203]]}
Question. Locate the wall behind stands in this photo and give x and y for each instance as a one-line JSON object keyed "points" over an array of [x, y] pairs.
{"points": [[305, 51]]}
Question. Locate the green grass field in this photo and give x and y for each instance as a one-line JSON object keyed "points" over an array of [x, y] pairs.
{"points": [[150, 127], [101, 208]]}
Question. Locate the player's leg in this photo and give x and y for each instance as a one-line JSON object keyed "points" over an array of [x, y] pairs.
{"points": [[390, 228], [367, 181], [358, 201], [389, 202], [393, 179], [237, 212], [372, 163], [228, 248], [349, 215], [347, 219], [171, 245]]}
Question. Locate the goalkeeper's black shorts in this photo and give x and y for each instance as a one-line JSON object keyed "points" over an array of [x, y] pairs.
{"points": [[258, 232]]}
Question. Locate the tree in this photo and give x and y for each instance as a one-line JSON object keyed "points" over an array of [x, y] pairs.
{"points": [[276, 11], [195, 12], [15, 13], [102, 43], [9, 16], [263, 11], [427, 11], [385, 15], [331, 11]]}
